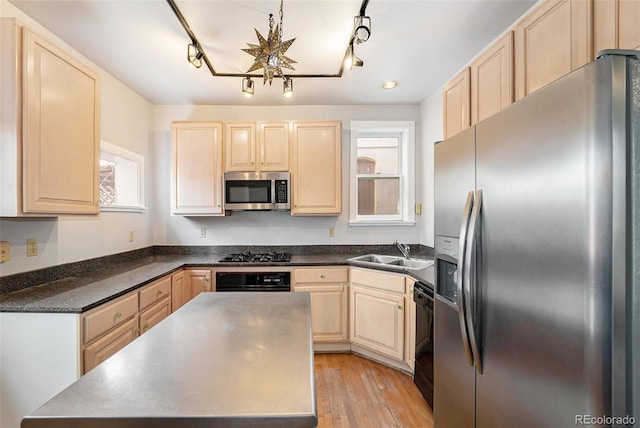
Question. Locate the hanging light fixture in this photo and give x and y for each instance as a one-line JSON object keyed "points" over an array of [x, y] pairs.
{"points": [[287, 87], [270, 53], [194, 55], [247, 87]]}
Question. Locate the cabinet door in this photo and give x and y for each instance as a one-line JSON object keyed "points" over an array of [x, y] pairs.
{"points": [[328, 311], [177, 290], [553, 40], [197, 281], [376, 321], [240, 146], [273, 146], [61, 133], [317, 168], [616, 25], [155, 314], [457, 103], [492, 79], [99, 351], [196, 163]]}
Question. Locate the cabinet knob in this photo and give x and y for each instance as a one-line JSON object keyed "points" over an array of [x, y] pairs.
{"points": [[251, 163], [145, 327], [137, 330], [206, 279], [322, 276], [400, 307], [117, 315], [159, 292]]}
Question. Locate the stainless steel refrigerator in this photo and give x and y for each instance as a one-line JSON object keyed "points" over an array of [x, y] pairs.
{"points": [[537, 222]]}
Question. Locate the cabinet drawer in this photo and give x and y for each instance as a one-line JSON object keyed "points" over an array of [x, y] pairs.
{"points": [[155, 314], [154, 292], [110, 344], [320, 275], [110, 316], [377, 279]]}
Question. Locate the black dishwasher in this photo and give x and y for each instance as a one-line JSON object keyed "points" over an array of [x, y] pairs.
{"points": [[423, 376]]}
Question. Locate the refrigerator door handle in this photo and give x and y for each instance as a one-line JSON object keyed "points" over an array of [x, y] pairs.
{"points": [[460, 300], [469, 274]]}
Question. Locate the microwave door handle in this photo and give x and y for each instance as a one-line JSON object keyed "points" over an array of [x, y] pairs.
{"points": [[464, 227], [471, 284]]}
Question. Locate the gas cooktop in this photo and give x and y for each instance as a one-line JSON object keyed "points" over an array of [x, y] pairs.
{"points": [[248, 257]]}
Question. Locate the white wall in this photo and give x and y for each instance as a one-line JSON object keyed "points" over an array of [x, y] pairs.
{"points": [[125, 121], [431, 119], [269, 228]]}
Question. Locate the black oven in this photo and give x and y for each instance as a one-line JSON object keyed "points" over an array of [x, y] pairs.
{"points": [[423, 376], [253, 281]]}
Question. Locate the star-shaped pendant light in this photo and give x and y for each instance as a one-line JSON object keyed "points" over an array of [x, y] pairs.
{"points": [[270, 53]]}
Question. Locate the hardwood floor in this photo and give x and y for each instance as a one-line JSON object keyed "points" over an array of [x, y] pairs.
{"points": [[355, 392]]}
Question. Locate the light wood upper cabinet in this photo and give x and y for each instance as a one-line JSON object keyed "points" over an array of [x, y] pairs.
{"points": [[316, 168], [551, 41], [492, 79], [273, 146], [261, 146], [456, 103], [616, 25], [240, 146], [51, 160], [196, 168]]}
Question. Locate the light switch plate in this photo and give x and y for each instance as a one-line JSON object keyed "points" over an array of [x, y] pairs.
{"points": [[5, 251]]}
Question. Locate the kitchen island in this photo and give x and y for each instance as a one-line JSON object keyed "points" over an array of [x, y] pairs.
{"points": [[222, 360]]}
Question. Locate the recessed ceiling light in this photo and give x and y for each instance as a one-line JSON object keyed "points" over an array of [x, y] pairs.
{"points": [[390, 84]]}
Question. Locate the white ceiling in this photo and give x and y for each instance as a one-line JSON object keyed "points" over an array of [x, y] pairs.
{"points": [[419, 43]]}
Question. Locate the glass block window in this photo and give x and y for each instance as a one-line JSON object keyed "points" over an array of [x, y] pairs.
{"points": [[121, 179]]}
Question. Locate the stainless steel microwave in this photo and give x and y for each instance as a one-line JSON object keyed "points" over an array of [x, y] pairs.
{"points": [[265, 191]]}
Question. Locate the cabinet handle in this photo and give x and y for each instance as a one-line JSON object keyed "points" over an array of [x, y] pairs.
{"points": [[145, 327], [117, 315]]}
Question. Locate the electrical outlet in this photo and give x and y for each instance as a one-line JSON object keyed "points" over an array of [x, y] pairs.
{"points": [[32, 247], [131, 236], [203, 232], [332, 232], [5, 251]]}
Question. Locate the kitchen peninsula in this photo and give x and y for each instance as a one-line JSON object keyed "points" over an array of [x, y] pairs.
{"points": [[223, 359]]}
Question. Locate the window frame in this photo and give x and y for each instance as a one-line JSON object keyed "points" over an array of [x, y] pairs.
{"points": [[406, 148], [138, 159]]}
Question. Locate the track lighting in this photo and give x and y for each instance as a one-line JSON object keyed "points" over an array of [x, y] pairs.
{"points": [[194, 55], [247, 87], [362, 29], [287, 87], [352, 60]]}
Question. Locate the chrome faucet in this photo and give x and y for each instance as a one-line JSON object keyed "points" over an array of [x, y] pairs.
{"points": [[404, 249]]}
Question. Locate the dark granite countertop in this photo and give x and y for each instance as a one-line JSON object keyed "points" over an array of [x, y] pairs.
{"points": [[85, 290]]}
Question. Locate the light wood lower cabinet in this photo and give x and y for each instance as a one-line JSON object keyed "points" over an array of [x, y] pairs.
{"points": [[177, 289], [110, 344], [378, 315], [155, 314], [328, 289], [196, 281]]}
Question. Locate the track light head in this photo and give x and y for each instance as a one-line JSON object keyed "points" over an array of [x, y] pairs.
{"points": [[287, 87], [194, 55], [247, 87]]}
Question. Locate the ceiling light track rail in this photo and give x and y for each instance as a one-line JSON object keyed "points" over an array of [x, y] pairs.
{"points": [[196, 53]]}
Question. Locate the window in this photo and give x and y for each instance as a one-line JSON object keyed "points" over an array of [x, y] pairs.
{"points": [[121, 179], [382, 173]]}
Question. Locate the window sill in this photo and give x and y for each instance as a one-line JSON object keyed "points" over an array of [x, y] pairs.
{"points": [[123, 209], [383, 223]]}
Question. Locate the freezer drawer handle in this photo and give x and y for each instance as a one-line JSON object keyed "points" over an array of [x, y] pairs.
{"points": [[466, 214], [471, 289]]}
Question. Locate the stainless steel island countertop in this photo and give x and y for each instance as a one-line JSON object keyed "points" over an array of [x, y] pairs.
{"points": [[222, 360]]}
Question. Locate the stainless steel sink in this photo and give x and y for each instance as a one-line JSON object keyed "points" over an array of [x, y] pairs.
{"points": [[392, 262]]}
